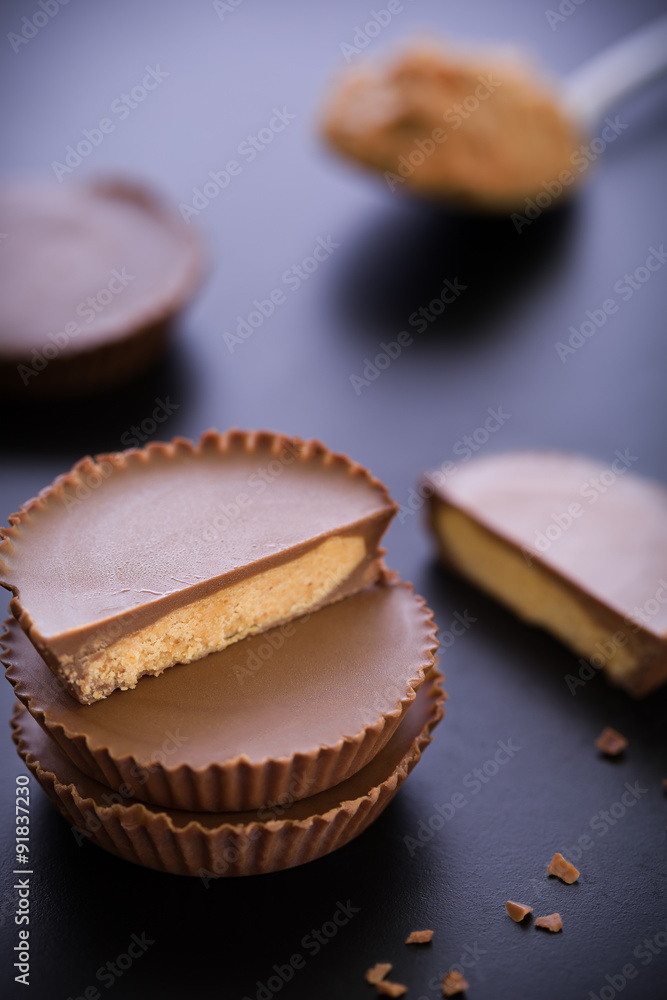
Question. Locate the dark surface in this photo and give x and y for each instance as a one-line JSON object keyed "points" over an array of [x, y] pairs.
{"points": [[495, 347]]}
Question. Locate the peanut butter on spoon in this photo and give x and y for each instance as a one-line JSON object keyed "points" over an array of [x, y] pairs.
{"points": [[484, 131]]}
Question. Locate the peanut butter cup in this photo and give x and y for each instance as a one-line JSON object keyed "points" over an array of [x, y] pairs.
{"points": [[212, 844], [270, 720], [139, 560], [92, 275], [574, 545]]}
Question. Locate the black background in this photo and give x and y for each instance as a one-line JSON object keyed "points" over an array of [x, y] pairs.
{"points": [[493, 348]]}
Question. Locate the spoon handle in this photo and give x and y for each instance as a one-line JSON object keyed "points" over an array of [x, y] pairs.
{"points": [[605, 79]]}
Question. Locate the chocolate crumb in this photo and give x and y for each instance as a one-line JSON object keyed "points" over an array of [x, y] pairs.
{"points": [[551, 923], [378, 972], [419, 937], [388, 989], [454, 983], [517, 911], [610, 742], [563, 869]]}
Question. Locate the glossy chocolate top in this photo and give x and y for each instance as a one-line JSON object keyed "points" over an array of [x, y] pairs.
{"points": [[136, 527], [293, 689], [87, 263], [597, 524]]}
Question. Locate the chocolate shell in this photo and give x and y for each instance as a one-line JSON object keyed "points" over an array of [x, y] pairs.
{"points": [[212, 845], [142, 559], [275, 718], [572, 544]]}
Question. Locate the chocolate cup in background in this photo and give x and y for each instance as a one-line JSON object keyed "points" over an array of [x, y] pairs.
{"points": [[96, 370], [94, 275], [231, 844], [273, 719]]}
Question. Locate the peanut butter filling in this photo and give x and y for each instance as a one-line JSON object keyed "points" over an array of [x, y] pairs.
{"points": [[232, 613], [528, 589], [488, 132]]}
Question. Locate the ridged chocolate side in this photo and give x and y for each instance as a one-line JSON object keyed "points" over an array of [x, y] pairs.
{"points": [[321, 652], [216, 845]]}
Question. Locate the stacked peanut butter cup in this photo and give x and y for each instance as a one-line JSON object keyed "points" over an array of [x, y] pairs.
{"points": [[217, 675]]}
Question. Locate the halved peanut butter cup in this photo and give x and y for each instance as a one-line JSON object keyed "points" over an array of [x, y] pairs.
{"points": [[225, 844], [574, 545], [267, 721], [139, 560]]}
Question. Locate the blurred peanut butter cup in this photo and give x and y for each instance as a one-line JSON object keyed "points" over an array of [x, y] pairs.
{"points": [[92, 276]]}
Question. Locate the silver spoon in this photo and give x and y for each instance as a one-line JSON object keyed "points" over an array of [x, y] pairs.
{"points": [[613, 74]]}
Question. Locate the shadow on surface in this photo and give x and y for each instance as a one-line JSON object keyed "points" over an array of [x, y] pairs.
{"points": [[248, 922], [402, 263], [104, 421]]}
